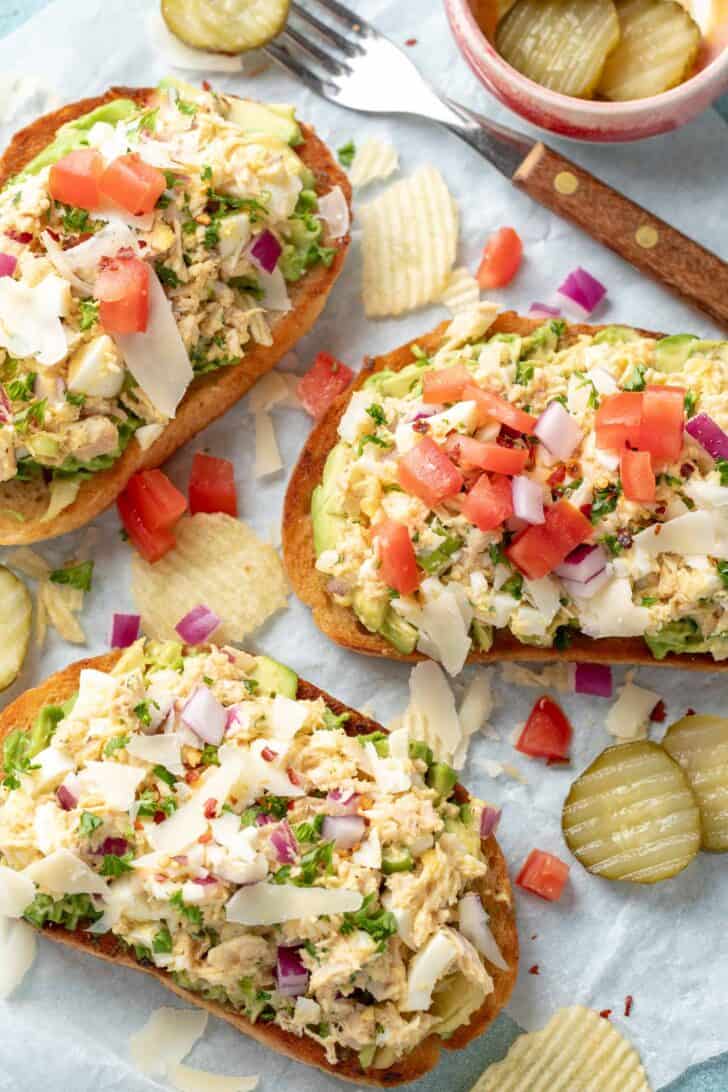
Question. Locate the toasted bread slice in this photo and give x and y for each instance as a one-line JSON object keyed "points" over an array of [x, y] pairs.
{"points": [[495, 892], [342, 625], [209, 396]]}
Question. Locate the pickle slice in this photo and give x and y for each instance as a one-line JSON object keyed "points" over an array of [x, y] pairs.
{"points": [[632, 815], [561, 44], [700, 745], [225, 26], [657, 49], [16, 609]]}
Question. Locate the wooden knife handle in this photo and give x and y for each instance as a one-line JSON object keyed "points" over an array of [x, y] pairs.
{"points": [[650, 244]]}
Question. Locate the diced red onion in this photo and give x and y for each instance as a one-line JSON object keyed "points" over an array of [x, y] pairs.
{"points": [[429, 411], [489, 820], [125, 630], [65, 798], [475, 928], [6, 413], [346, 831], [582, 563], [709, 435], [197, 625], [117, 847], [203, 713], [595, 679], [333, 209], [205, 881], [543, 310], [588, 589], [346, 801], [233, 717], [284, 843], [558, 431], [291, 975], [264, 251], [582, 290], [21, 237], [8, 263], [527, 499], [263, 819]]}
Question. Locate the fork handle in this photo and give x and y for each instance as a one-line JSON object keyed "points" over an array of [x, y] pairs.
{"points": [[644, 240]]}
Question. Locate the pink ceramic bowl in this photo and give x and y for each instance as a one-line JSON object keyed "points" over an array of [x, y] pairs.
{"points": [[582, 119]]}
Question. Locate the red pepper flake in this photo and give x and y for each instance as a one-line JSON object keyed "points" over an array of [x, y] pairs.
{"points": [[293, 776], [534, 936], [206, 837], [557, 476], [420, 425], [690, 712], [687, 469], [159, 816], [19, 236], [210, 809], [534, 969], [206, 85], [659, 713], [605, 1014], [191, 776], [628, 1003], [268, 755], [138, 825], [410, 41]]}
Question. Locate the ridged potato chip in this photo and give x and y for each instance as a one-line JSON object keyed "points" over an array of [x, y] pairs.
{"points": [[700, 745], [658, 44], [577, 1051], [61, 603], [218, 562], [409, 239], [560, 44], [632, 815], [374, 160], [16, 610], [232, 26], [462, 291]]}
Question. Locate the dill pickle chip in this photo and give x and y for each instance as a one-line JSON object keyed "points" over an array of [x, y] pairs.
{"points": [[225, 26], [657, 48], [16, 611], [632, 815], [561, 44], [700, 745]]}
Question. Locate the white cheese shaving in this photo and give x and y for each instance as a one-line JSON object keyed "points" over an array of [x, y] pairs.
{"points": [[388, 772], [187, 1079], [167, 1037], [30, 319], [163, 750], [161, 341], [287, 717], [115, 783], [333, 209], [270, 904], [629, 716], [545, 594], [706, 494], [307, 1011], [63, 873], [426, 969], [697, 532], [267, 453], [84, 259], [96, 691], [275, 292], [612, 612], [53, 764], [355, 420], [555, 676], [18, 942], [369, 853], [16, 892], [269, 391], [226, 832], [432, 698], [443, 631], [185, 825], [477, 703], [147, 434], [49, 828]]}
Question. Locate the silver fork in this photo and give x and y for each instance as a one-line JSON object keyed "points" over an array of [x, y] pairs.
{"points": [[346, 60]]}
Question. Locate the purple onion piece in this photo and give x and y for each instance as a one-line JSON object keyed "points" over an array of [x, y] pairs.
{"points": [[197, 625], [125, 630], [489, 820], [594, 679]]}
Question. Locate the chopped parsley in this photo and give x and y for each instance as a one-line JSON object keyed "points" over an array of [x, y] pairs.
{"points": [[209, 755], [88, 823], [162, 941], [496, 554], [144, 713], [89, 314], [277, 806], [513, 586], [75, 220], [524, 373], [185, 107], [320, 857], [691, 400], [34, 414], [167, 276], [648, 600], [116, 743], [381, 924], [206, 173], [192, 913], [75, 399], [21, 390], [148, 805], [564, 636], [309, 831], [333, 720], [567, 488], [605, 501], [722, 567], [346, 153], [376, 413], [248, 284], [612, 545], [113, 865], [721, 465], [371, 438], [165, 776], [77, 576]]}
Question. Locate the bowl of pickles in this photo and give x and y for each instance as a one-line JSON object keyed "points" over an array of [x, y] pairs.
{"points": [[597, 70]]}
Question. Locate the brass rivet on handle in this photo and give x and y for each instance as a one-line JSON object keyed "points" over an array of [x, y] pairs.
{"points": [[566, 183], [647, 236]]}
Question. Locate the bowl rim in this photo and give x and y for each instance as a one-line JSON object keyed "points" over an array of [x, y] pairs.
{"points": [[461, 11]]}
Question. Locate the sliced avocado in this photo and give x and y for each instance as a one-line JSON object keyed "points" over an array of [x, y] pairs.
{"points": [[613, 335], [335, 462], [482, 635], [43, 728], [469, 837], [73, 134], [543, 341], [710, 348], [256, 118], [366, 1056], [328, 522], [442, 778], [398, 632], [419, 750], [672, 352], [514, 343], [681, 636], [397, 384], [370, 610], [399, 860], [274, 678]]}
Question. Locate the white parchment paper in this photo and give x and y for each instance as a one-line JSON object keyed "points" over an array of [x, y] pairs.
{"points": [[68, 1026]]}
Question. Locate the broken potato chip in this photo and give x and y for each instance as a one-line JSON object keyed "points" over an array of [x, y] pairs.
{"points": [[218, 562], [16, 610], [700, 745], [374, 161], [462, 291], [658, 44]]}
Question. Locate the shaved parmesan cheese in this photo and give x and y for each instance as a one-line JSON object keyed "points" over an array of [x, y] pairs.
{"points": [[628, 717], [273, 776], [388, 772], [180, 830], [147, 434], [432, 698], [470, 325], [604, 382], [17, 953], [187, 1079], [425, 970], [369, 853], [226, 832], [16, 892], [270, 389], [355, 420], [706, 494], [83, 260], [49, 827], [143, 353], [96, 691], [53, 764], [475, 708], [545, 594], [167, 1037], [267, 454], [307, 1011], [275, 292], [287, 717], [63, 873], [63, 492], [165, 750], [114, 783], [30, 319], [443, 632], [269, 903], [612, 613], [697, 532], [554, 675], [333, 209]]}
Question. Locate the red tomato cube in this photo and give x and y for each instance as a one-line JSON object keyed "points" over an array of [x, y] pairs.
{"points": [[132, 184], [567, 526], [159, 503], [427, 473], [544, 875], [122, 288], [489, 503], [637, 475], [74, 179], [446, 384], [495, 457], [539, 549], [502, 256], [323, 383], [212, 485], [493, 407], [152, 545], [663, 421], [547, 732], [618, 420], [397, 556]]}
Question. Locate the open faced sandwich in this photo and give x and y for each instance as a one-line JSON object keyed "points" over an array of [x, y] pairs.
{"points": [[505, 489], [159, 251], [207, 817]]}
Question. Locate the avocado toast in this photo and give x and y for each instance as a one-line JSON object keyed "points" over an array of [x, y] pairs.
{"points": [[178, 809], [91, 395], [433, 439]]}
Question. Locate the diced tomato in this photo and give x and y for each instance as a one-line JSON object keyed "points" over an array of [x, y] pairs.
{"points": [[122, 287], [212, 485], [445, 385], [427, 473], [637, 475], [495, 457], [618, 419], [489, 503], [152, 545], [159, 503], [539, 549], [493, 407], [322, 383], [544, 875], [546, 733], [502, 256], [663, 421], [397, 556], [74, 179], [132, 184]]}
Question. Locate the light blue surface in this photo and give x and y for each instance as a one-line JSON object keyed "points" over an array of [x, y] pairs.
{"points": [[710, 1076]]}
